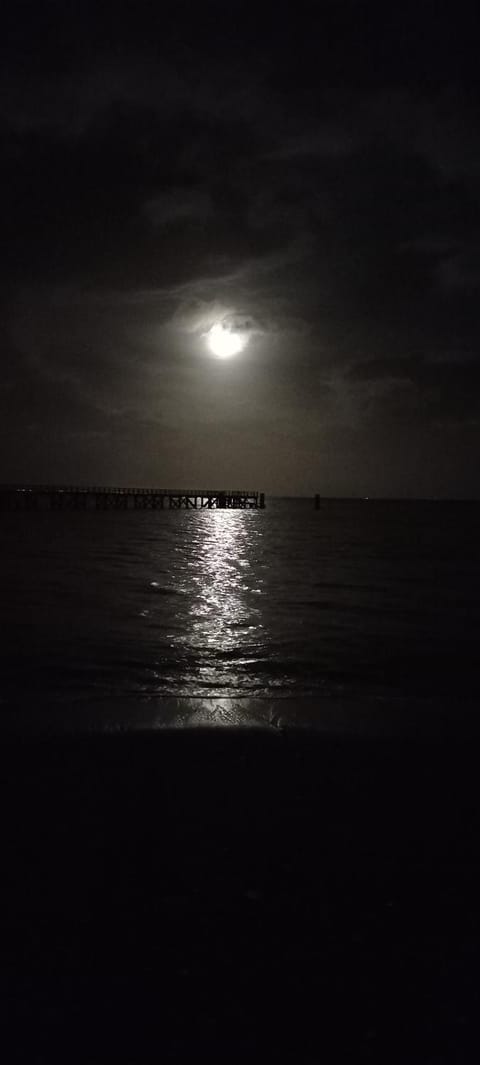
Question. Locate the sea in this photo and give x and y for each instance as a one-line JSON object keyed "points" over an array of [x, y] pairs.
{"points": [[361, 611]]}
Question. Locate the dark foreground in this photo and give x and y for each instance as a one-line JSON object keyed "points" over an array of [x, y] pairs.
{"points": [[240, 896]]}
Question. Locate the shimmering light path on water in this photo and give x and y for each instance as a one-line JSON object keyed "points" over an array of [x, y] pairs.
{"points": [[363, 600]]}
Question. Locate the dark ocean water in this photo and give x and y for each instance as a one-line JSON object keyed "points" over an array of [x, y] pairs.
{"points": [[357, 600]]}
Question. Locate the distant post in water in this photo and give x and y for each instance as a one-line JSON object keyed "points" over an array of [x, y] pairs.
{"points": [[317, 502], [262, 500]]}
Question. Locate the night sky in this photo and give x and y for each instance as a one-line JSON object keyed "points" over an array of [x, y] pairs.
{"points": [[307, 175]]}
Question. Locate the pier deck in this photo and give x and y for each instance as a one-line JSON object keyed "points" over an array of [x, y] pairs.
{"points": [[83, 497]]}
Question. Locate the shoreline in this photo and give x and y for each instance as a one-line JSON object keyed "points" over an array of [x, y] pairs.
{"points": [[433, 717]]}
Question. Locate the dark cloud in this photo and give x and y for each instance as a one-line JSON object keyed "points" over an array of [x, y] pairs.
{"points": [[439, 390], [310, 176]]}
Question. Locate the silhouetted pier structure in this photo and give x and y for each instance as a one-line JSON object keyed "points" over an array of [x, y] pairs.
{"points": [[80, 497]]}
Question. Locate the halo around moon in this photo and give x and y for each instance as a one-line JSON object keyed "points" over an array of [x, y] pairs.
{"points": [[224, 341]]}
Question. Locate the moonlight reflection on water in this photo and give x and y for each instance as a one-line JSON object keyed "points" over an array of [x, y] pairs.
{"points": [[355, 600], [225, 611]]}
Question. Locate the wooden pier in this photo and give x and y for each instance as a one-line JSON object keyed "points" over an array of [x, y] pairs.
{"points": [[82, 497]]}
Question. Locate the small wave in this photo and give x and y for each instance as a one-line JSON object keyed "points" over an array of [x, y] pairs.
{"points": [[309, 604], [161, 589]]}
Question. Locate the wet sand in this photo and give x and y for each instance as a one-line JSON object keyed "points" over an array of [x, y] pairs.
{"points": [[240, 895]]}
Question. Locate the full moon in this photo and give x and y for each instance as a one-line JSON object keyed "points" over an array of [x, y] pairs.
{"points": [[224, 342]]}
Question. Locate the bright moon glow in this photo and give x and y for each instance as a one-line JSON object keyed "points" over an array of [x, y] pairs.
{"points": [[224, 342]]}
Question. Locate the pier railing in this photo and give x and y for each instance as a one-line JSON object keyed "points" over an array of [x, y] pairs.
{"points": [[115, 490]]}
